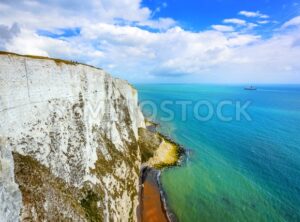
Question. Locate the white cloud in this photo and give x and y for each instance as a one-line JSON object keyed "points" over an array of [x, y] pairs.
{"points": [[243, 25], [28, 42], [263, 22], [63, 13], [267, 60], [241, 40], [223, 28], [8, 33], [256, 14], [293, 22], [130, 51], [235, 21], [251, 25], [161, 23]]}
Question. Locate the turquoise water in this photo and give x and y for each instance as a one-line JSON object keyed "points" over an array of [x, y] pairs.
{"points": [[236, 170]]}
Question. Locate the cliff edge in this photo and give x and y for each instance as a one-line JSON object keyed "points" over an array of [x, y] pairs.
{"points": [[68, 142]]}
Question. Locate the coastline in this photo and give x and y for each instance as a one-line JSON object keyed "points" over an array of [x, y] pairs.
{"points": [[152, 205], [169, 213], [151, 190], [153, 200]]}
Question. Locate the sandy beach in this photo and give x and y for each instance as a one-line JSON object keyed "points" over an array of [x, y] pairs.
{"points": [[152, 209], [160, 152]]}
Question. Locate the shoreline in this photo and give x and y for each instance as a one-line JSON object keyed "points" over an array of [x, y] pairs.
{"points": [[151, 176], [152, 197], [152, 204], [169, 213]]}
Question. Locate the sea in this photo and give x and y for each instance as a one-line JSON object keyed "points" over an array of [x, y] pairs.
{"points": [[242, 146]]}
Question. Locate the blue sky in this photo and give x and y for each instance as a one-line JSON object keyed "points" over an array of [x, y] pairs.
{"points": [[198, 15], [209, 41]]}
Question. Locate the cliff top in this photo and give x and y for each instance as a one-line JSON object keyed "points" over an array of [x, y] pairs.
{"points": [[56, 60]]}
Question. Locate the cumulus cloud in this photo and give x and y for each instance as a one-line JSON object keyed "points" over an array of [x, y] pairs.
{"points": [[263, 22], [256, 14], [267, 61], [161, 23], [8, 33], [251, 25], [28, 42], [119, 37], [223, 28], [174, 52], [235, 21], [63, 13], [244, 25], [293, 22]]}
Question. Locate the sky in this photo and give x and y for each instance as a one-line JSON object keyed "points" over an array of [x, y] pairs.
{"points": [[162, 41]]}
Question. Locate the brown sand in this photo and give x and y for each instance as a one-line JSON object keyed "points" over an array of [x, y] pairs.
{"points": [[152, 208]]}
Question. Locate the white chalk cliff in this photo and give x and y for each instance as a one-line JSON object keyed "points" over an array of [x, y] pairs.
{"points": [[68, 142]]}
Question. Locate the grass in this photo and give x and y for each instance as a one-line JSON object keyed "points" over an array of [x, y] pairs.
{"points": [[157, 150], [167, 154], [150, 123], [148, 143], [56, 60], [89, 203], [38, 184]]}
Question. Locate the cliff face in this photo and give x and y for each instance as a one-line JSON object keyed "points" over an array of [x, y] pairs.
{"points": [[68, 142]]}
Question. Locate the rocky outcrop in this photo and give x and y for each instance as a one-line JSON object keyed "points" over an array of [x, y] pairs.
{"points": [[68, 142], [157, 150]]}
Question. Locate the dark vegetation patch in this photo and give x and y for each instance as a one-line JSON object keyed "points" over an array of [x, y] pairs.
{"points": [[149, 143], [39, 186], [89, 203]]}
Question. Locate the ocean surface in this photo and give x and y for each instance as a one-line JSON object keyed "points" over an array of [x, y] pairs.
{"points": [[239, 170]]}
